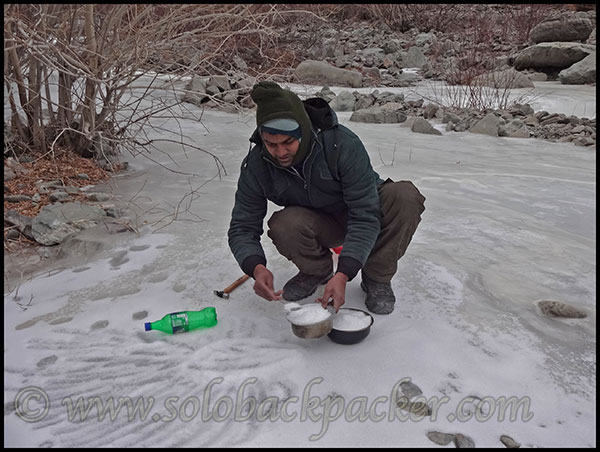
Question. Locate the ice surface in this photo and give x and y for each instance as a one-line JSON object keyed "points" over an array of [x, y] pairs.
{"points": [[508, 222]]}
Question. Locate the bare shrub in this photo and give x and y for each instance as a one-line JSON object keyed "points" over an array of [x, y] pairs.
{"points": [[83, 76]]}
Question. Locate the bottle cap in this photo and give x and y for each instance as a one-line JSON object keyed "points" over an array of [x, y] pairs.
{"points": [[147, 326]]}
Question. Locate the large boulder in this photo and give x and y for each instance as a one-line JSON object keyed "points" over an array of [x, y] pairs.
{"points": [[552, 55], [581, 72], [321, 72], [488, 125], [507, 79], [572, 28]]}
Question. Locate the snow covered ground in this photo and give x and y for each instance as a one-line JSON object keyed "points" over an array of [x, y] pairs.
{"points": [[508, 222]]}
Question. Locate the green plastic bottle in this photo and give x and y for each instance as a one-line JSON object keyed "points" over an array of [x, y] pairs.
{"points": [[184, 321]]}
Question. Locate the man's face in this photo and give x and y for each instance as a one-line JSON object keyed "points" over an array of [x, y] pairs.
{"points": [[282, 147]]}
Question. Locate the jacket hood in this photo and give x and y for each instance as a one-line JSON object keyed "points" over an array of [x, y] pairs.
{"points": [[321, 116], [274, 102]]}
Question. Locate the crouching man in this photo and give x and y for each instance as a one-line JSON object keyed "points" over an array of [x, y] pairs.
{"points": [[320, 173]]}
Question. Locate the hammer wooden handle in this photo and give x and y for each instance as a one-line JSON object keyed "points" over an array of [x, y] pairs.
{"points": [[236, 283]]}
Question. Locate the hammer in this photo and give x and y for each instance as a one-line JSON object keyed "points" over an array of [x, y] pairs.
{"points": [[225, 292]]}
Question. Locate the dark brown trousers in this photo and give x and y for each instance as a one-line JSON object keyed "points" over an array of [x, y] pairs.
{"points": [[305, 235]]}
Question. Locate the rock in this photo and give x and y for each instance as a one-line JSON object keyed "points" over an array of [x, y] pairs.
{"points": [[55, 222], [415, 103], [388, 113], [423, 39], [506, 79], [550, 119], [326, 93], [372, 72], [449, 116], [584, 141], [195, 91], [430, 110], [414, 58], [311, 71], [240, 63], [548, 55], [17, 198], [244, 83], [422, 126], [560, 29], [521, 109], [15, 166], [220, 82], [580, 73], [462, 126], [592, 38], [8, 174], [104, 146], [537, 76], [21, 222], [461, 440], [488, 125], [344, 101], [58, 196], [440, 438], [11, 234], [410, 389], [553, 308], [407, 78], [373, 52], [509, 442], [409, 122], [391, 46], [514, 129], [531, 120], [100, 197]]}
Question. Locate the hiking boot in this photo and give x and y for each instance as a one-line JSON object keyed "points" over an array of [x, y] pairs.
{"points": [[303, 285], [380, 296]]}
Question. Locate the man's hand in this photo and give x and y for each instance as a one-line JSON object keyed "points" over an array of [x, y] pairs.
{"points": [[336, 289], [263, 284]]}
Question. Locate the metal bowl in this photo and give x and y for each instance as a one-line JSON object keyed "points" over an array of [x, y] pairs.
{"points": [[313, 330], [351, 337]]}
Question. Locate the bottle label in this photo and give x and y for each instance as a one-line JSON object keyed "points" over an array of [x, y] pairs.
{"points": [[179, 322]]}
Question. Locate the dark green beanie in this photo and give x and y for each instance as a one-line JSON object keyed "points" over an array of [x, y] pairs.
{"points": [[274, 102]]}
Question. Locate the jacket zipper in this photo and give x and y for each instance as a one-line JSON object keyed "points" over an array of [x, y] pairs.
{"points": [[295, 172]]}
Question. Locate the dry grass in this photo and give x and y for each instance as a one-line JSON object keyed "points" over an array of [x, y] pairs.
{"points": [[63, 167]]}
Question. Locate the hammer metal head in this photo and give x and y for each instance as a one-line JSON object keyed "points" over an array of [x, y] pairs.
{"points": [[221, 294]]}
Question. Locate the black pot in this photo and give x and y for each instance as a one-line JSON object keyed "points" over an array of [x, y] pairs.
{"points": [[351, 337]]}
